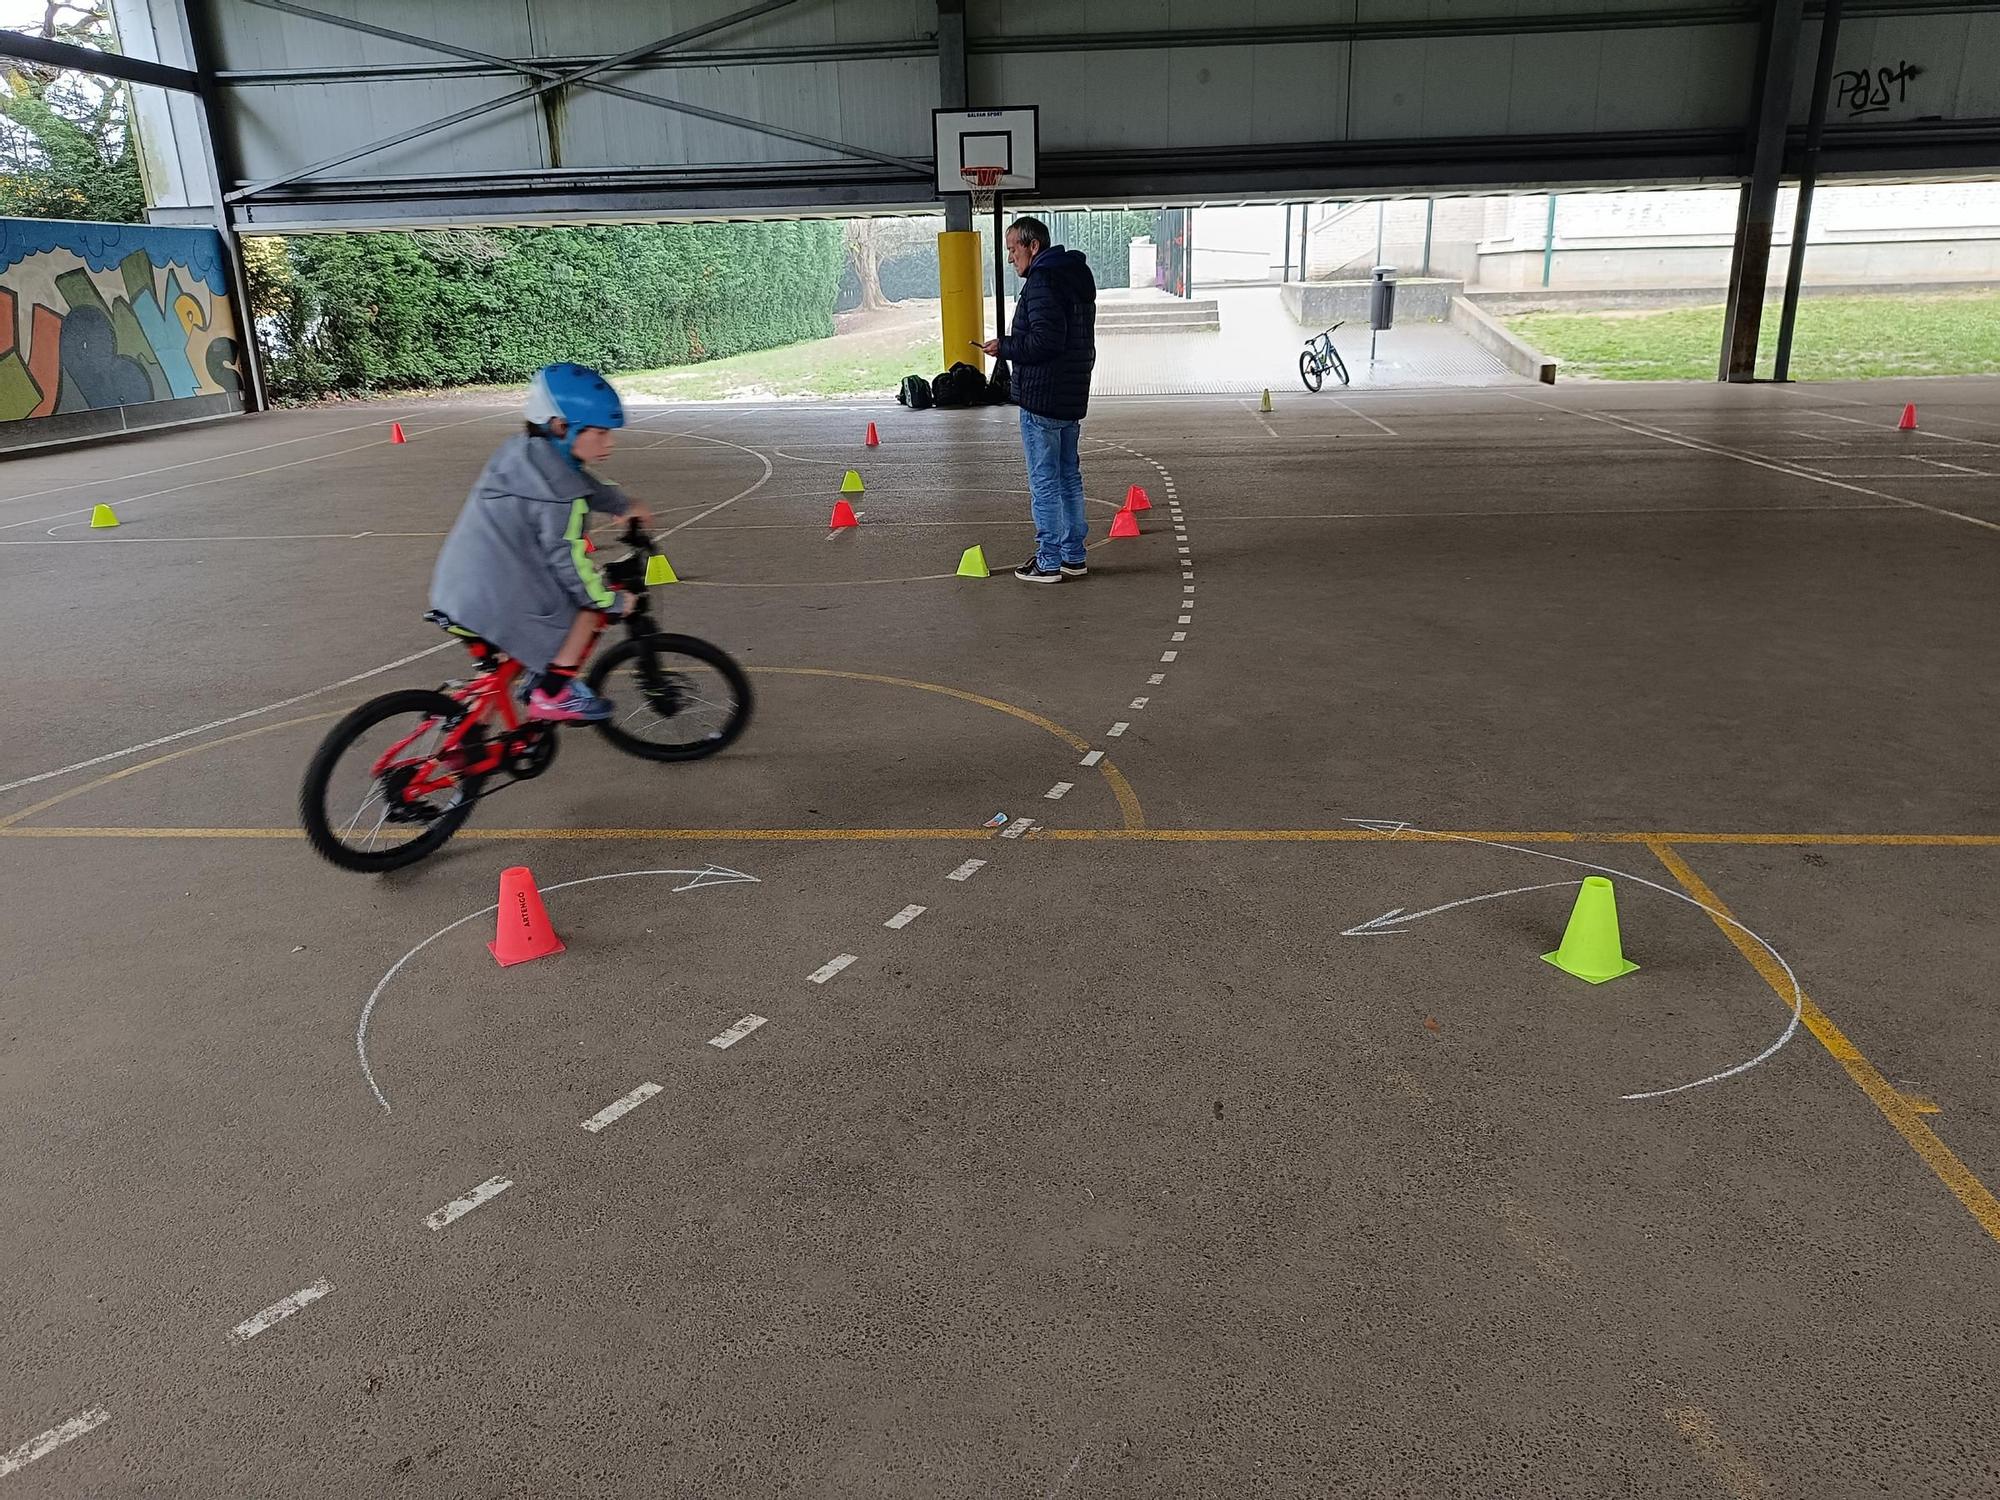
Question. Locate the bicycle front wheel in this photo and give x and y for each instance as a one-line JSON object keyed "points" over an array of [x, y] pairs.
{"points": [[1309, 370], [673, 697], [363, 804]]}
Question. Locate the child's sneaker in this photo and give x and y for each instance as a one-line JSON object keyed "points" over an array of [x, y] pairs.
{"points": [[575, 704]]}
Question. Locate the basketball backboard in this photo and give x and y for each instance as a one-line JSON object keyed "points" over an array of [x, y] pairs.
{"points": [[1003, 138]]}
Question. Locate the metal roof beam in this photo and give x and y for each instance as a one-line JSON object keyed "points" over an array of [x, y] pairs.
{"points": [[718, 57], [1725, 13], [534, 91], [553, 78], [52, 54]]}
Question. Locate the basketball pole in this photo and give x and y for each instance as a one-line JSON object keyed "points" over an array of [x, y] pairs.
{"points": [[999, 277]]}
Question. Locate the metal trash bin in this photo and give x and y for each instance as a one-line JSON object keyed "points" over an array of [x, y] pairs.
{"points": [[1382, 299]]}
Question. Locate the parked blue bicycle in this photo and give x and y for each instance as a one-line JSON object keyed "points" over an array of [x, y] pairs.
{"points": [[1320, 356]]}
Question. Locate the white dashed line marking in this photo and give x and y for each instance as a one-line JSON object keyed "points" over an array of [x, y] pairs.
{"points": [[1182, 550], [617, 1109], [458, 1208], [1156, 679], [1185, 620], [1016, 828], [737, 1032], [42, 1445], [1057, 792], [1178, 635], [1185, 577], [1189, 589], [1116, 730], [905, 917], [967, 870], [1141, 702], [830, 968], [1092, 759], [1168, 655], [280, 1310]]}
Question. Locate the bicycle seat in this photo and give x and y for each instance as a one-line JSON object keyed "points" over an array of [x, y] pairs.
{"points": [[450, 626]]}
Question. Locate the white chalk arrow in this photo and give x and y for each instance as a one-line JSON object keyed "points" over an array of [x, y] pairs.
{"points": [[1396, 920]]}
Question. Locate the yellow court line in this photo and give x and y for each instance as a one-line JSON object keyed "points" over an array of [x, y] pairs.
{"points": [[1864, 840], [1546, 836], [1128, 800], [7, 824], [1738, 1475], [1055, 835], [1895, 1107], [552, 835]]}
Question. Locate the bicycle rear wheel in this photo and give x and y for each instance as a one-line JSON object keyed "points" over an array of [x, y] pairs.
{"points": [[361, 818], [673, 697], [1309, 370]]}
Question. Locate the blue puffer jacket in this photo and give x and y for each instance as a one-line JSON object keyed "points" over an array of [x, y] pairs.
{"points": [[1054, 343]]}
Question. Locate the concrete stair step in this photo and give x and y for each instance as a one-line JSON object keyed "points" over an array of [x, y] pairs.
{"points": [[1159, 317]]}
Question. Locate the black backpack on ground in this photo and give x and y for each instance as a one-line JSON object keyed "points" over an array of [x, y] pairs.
{"points": [[961, 385], [915, 393]]}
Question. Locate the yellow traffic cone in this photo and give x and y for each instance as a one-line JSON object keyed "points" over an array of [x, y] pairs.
{"points": [[659, 570], [973, 564], [851, 485], [102, 517], [1590, 948], [1267, 399]]}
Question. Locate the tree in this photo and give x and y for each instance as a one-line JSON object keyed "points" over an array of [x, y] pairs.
{"points": [[864, 254], [66, 144], [871, 243]]}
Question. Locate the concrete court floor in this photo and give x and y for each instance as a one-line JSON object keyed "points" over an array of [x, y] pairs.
{"points": [[1120, 1170]]}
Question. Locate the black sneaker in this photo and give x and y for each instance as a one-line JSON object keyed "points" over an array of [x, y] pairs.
{"points": [[1076, 570], [1031, 572]]}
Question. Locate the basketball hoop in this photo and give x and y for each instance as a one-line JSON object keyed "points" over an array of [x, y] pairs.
{"points": [[983, 184]]}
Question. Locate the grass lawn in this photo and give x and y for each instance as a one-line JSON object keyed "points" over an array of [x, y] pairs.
{"points": [[1838, 338], [869, 357]]}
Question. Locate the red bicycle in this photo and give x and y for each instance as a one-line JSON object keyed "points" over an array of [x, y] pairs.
{"points": [[399, 776]]}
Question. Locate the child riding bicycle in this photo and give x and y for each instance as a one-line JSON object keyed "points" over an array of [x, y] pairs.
{"points": [[516, 567]]}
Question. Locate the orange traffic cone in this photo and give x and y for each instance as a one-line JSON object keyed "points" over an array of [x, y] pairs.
{"points": [[1909, 422], [873, 441], [523, 931], [1124, 524], [1135, 499], [843, 515]]}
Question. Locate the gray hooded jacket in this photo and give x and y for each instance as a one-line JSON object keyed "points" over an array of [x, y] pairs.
{"points": [[514, 568]]}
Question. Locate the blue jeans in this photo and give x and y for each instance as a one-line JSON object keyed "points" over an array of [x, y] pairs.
{"points": [[1055, 485]]}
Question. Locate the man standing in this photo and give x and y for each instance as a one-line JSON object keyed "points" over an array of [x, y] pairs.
{"points": [[1053, 349]]}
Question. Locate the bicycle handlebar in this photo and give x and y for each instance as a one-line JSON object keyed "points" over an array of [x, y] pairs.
{"points": [[629, 572]]}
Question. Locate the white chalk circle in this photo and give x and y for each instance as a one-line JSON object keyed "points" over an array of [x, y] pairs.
{"points": [[694, 880]]}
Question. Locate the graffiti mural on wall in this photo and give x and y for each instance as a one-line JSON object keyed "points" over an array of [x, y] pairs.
{"points": [[95, 316]]}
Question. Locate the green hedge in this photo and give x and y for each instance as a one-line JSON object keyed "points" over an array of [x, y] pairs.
{"points": [[375, 312], [1104, 236]]}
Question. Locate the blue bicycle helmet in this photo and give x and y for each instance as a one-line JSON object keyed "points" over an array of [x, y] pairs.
{"points": [[576, 393]]}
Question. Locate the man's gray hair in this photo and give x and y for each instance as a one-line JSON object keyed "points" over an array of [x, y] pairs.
{"points": [[1032, 229]]}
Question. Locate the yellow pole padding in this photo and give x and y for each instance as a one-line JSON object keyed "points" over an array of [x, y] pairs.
{"points": [[962, 299]]}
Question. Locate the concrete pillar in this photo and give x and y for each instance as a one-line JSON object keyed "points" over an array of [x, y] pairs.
{"points": [[952, 94], [1752, 260]]}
